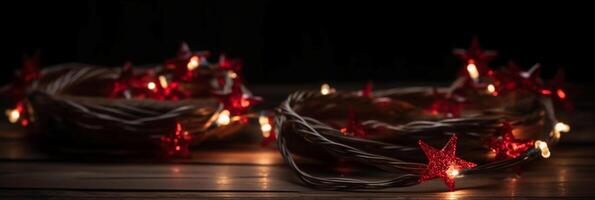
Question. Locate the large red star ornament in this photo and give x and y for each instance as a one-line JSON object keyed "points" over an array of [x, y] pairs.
{"points": [[506, 145], [476, 55], [443, 163]]}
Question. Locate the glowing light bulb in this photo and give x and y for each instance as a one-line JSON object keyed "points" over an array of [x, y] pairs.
{"points": [[163, 81], [193, 63], [326, 89], [472, 69], [452, 172], [13, 115], [151, 85], [265, 126], [223, 118], [542, 146], [232, 74], [561, 93], [562, 127], [492, 89]]}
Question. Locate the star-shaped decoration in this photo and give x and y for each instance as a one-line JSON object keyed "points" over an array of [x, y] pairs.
{"points": [[367, 89], [476, 56], [449, 106], [237, 101], [513, 78], [185, 62], [176, 144], [353, 126], [23, 78], [560, 90], [443, 163], [505, 145]]}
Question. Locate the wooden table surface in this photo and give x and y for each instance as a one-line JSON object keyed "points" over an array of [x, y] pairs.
{"points": [[255, 172]]}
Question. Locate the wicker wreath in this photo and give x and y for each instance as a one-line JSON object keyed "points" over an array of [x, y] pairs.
{"points": [[71, 106], [305, 118]]}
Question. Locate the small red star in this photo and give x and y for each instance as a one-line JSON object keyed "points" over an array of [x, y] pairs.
{"points": [[506, 146], [179, 64], [476, 56], [353, 126], [560, 91], [236, 101], [449, 106], [443, 163], [367, 90], [23, 78], [176, 144], [513, 78]]}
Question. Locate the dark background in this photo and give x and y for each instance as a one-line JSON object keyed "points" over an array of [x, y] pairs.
{"points": [[300, 41]]}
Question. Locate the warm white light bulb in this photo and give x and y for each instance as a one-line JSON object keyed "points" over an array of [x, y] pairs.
{"points": [[193, 63], [151, 85], [223, 118], [13, 115], [473, 73], [326, 89], [452, 172], [542, 146], [562, 127], [232, 74], [265, 126], [491, 88], [163, 81]]}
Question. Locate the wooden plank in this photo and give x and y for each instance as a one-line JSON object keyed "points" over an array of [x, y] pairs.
{"points": [[568, 173]]}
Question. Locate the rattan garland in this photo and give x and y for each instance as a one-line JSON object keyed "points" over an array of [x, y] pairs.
{"points": [[291, 125], [131, 124]]}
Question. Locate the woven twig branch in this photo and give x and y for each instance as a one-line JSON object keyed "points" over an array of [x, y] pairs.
{"points": [[316, 133]]}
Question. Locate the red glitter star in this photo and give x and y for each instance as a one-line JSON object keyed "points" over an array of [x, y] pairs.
{"points": [[236, 101], [179, 64], [560, 91], [449, 106], [367, 90], [176, 144], [443, 163], [476, 56], [513, 78], [23, 78], [353, 126], [506, 146]]}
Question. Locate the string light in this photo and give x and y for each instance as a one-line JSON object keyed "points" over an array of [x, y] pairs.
{"points": [[452, 172], [13, 115], [473, 72], [193, 63], [151, 85], [492, 89], [265, 126], [224, 118], [232, 74], [163, 81], [561, 93], [326, 89], [562, 127], [542, 146]]}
